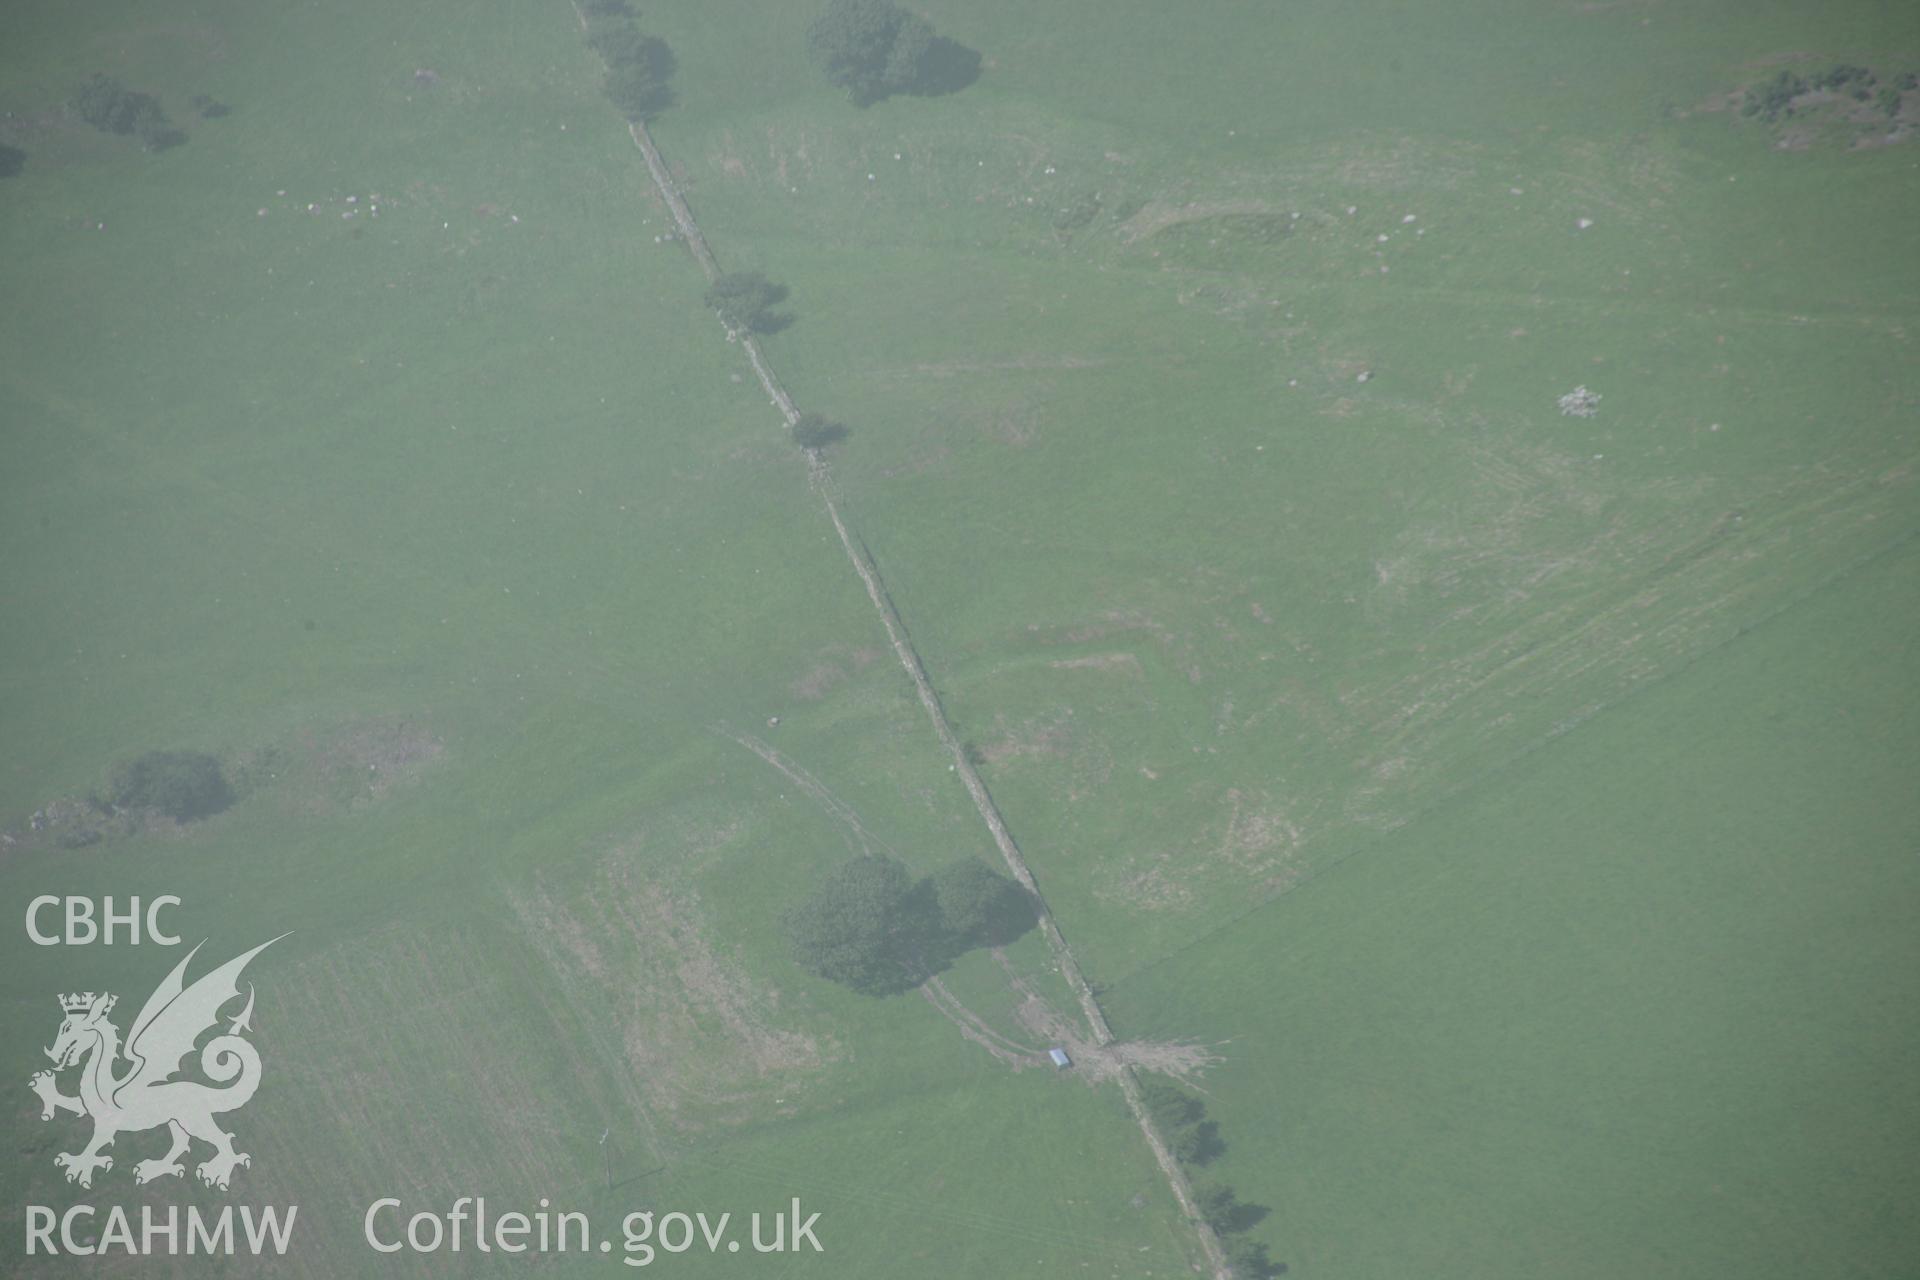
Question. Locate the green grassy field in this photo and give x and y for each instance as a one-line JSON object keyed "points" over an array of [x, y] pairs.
{"points": [[1513, 799]]}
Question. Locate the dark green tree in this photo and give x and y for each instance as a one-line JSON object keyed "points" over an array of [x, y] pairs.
{"points": [[1775, 97], [639, 66], [1225, 1211], [111, 107], [1170, 1107], [619, 42], [639, 88], [868, 927], [817, 431], [1199, 1145], [184, 785], [745, 301], [1183, 1119], [870, 48], [1250, 1261], [1217, 1202]]}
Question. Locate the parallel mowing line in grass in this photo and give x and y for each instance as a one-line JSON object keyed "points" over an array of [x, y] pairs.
{"points": [[1500, 768], [863, 564]]}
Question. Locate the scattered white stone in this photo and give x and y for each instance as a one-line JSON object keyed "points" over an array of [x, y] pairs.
{"points": [[1382, 237], [1050, 169], [1352, 209], [1366, 375], [1409, 218], [1580, 403], [1419, 231], [261, 214], [869, 177], [280, 193], [1515, 191], [896, 155], [1293, 382], [1714, 427], [1294, 214], [1584, 223], [346, 213], [1384, 268], [353, 199]]}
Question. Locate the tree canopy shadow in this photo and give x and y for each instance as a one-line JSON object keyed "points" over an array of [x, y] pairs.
{"points": [[1243, 1217], [947, 67]]}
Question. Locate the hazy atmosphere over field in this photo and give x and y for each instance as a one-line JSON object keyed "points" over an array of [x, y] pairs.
{"points": [[1101, 639]]}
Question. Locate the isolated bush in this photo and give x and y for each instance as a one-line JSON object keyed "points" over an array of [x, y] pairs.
{"points": [[817, 431], [745, 301], [111, 107], [184, 785], [101, 102]]}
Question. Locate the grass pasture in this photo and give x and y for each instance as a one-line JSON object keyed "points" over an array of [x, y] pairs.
{"points": [[1513, 800]]}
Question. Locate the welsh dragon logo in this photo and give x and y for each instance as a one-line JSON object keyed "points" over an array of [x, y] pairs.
{"points": [[145, 1095]]}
